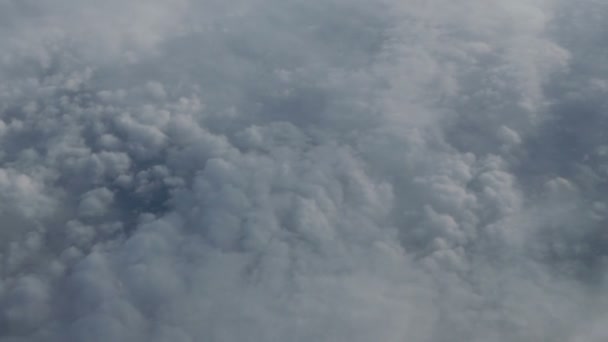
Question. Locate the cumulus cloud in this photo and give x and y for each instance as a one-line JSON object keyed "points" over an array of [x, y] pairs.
{"points": [[191, 170]]}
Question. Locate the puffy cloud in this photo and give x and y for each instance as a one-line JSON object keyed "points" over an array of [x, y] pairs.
{"points": [[332, 170]]}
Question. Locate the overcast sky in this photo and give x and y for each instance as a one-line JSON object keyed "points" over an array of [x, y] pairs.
{"points": [[321, 170]]}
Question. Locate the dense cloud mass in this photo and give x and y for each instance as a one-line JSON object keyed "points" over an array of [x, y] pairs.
{"points": [[323, 170]]}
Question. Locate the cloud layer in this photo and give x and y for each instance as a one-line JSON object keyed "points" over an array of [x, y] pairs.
{"points": [[189, 170]]}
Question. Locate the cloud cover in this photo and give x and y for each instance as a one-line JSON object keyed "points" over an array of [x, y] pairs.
{"points": [[191, 170]]}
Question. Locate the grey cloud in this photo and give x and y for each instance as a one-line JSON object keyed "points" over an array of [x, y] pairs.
{"points": [[330, 170]]}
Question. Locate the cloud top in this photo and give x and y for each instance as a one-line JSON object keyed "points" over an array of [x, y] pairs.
{"points": [[280, 171]]}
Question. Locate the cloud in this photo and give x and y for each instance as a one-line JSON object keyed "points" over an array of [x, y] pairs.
{"points": [[330, 170]]}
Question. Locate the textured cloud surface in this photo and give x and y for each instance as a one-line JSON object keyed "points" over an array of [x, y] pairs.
{"points": [[324, 170]]}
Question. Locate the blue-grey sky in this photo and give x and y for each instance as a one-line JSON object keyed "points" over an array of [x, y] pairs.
{"points": [[323, 170]]}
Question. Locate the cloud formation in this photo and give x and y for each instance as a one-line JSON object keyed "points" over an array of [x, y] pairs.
{"points": [[190, 170]]}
